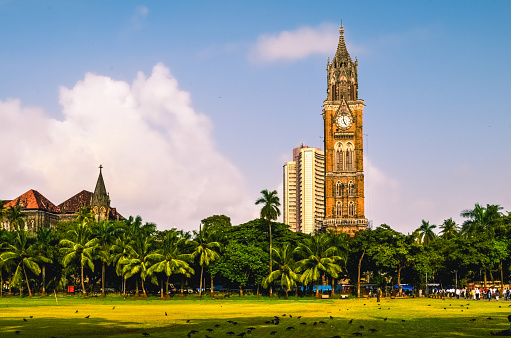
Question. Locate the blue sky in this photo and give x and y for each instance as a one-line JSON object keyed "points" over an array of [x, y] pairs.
{"points": [[192, 107]]}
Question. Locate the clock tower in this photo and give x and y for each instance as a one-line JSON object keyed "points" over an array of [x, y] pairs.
{"points": [[344, 166]]}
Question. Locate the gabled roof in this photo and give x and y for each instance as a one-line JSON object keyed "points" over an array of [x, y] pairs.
{"points": [[73, 204], [32, 199]]}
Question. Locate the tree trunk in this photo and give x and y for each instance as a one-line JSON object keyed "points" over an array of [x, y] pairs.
{"points": [[136, 287], [399, 281], [10, 282], [492, 279], [143, 287], [182, 282], [1, 284], [359, 268], [317, 290], [161, 289], [296, 291], [333, 287], [44, 279], [200, 283], [271, 261], [241, 291], [212, 292], [286, 292], [501, 280], [485, 279], [257, 292], [26, 278], [167, 286], [103, 274], [84, 292]]}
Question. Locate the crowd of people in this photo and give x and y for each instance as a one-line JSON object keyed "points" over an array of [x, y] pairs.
{"points": [[475, 293]]}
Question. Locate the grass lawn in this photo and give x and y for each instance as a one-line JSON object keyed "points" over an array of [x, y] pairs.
{"points": [[114, 316]]}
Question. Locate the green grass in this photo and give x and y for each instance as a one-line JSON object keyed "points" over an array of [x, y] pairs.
{"points": [[132, 318]]}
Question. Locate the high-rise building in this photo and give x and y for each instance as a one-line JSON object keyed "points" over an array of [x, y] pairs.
{"points": [[290, 195], [343, 144], [304, 190]]}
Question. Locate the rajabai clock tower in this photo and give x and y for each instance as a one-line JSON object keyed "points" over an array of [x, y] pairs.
{"points": [[344, 166]]}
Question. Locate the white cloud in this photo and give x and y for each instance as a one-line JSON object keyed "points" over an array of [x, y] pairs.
{"points": [[298, 44], [159, 158]]}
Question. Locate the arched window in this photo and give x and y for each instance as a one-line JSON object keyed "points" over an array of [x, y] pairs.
{"points": [[351, 208], [351, 188], [339, 157], [338, 209], [338, 189], [350, 157]]}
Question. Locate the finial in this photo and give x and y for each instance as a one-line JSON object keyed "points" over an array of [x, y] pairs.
{"points": [[100, 167]]}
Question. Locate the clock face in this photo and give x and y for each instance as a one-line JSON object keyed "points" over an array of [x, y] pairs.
{"points": [[344, 120]]}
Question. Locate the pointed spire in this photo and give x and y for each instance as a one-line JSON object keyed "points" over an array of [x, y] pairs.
{"points": [[342, 51], [100, 196]]}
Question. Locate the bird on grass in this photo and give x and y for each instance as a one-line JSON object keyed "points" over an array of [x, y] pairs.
{"points": [[336, 337], [230, 333], [373, 330], [145, 334], [361, 327], [273, 332], [315, 323], [489, 318], [385, 319], [217, 325], [473, 320], [331, 317], [76, 311], [87, 316], [241, 334], [357, 333], [209, 330], [251, 328], [234, 323], [31, 317], [304, 323], [113, 308], [290, 316], [402, 320], [322, 322], [194, 331], [290, 328], [17, 332], [186, 321], [25, 320], [350, 322], [299, 317], [268, 322]]}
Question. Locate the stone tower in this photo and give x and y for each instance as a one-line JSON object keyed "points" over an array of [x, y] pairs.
{"points": [[100, 201], [344, 166]]}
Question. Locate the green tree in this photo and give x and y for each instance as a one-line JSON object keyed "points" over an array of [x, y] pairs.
{"points": [[16, 217], [449, 229], [270, 211], [104, 232], [84, 214], [169, 258], [206, 249], [24, 256], [317, 257], [481, 219], [426, 232], [79, 246], [139, 263], [286, 269], [121, 252], [44, 248]]}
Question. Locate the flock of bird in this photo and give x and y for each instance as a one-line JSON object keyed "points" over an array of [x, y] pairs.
{"points": [[275, 321]]}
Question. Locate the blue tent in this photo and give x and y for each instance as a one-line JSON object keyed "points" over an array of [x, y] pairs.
{"points": [[405, 287]]}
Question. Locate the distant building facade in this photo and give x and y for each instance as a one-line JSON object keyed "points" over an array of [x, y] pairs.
{"points": [[41, 213], [304, 190]]}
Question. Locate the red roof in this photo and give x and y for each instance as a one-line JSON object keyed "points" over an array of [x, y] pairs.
{"points": [[72, 205], [32, 199]]}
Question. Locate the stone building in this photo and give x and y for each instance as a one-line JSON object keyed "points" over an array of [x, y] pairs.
{"points": [[43, 213]]}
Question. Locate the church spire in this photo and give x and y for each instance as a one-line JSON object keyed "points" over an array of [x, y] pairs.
{"points": [[100, 196]]}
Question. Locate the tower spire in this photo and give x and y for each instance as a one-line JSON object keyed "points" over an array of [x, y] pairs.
{"points": [[342, 51]]}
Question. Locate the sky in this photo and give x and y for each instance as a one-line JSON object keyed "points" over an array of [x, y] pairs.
{"points": [[193, 107]]}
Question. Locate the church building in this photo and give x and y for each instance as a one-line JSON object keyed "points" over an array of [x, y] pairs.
{"points": [[43, 213]]}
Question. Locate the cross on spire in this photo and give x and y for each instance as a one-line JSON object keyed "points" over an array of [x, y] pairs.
{"points": [[100, 167]]}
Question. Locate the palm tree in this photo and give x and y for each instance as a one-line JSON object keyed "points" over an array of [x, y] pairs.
{"points": [[139, 262], [340, 242], [15, 217], [121, 251], [449, 229], [286, 266], [206, 249], [79, 246], [318, 257], [481, 219], [104, 231], [170, 259], [45, 239], [426, 232], [84, 214], [24, 256], [270, 211]]}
